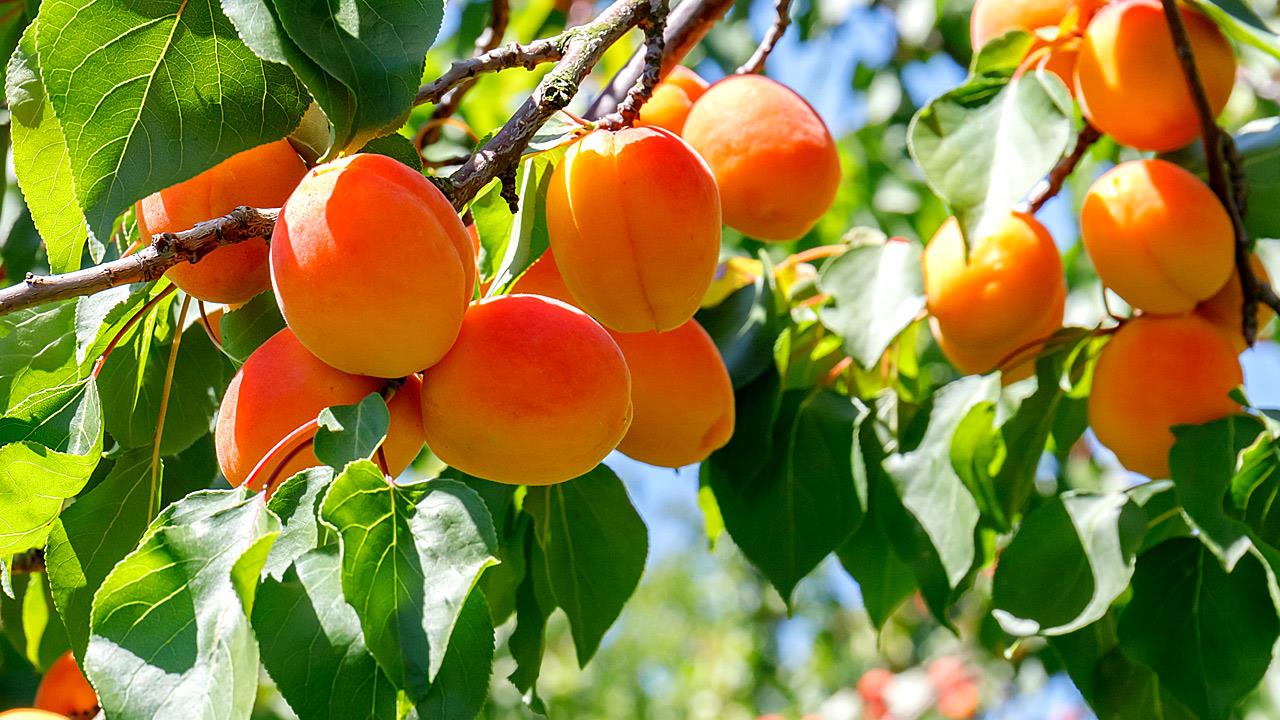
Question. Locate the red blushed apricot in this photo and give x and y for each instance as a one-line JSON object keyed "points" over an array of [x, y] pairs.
{"points": [[773, 157], [682, 395], [259, 177], [1226, 308], [1129, 81], [672, 99], [534, 392], [634, 220], [281, 387], [64, 689], [372, 267], [1157, 372], [993, 306], [1157, 235]]}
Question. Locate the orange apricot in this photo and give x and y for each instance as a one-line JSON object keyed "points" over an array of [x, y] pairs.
{"points": [[534, 392], [773, 158], [1157, 235], [281, 387], [992, 18], [543, 278], [1130, 84], [64, 689], [994, 306], [1226, 308], [1157, 372], [259, 177], [372, 266], [672, 99], [31, 714], [634, 219]]}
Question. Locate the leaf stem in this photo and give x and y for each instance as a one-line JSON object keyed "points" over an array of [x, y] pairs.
{"points": [[153, 506]]}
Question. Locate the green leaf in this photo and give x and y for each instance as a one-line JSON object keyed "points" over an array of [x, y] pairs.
{"points": [[99, 317], [297, 503], [884, 580], [1001, 57], [151, 94], [312, 646], [462, 686], [1203, 461], [534, 604], [1207, 633], [348, 433], [31, 623], [745, 326], [410, 555], [494, 222], [169, 632], [1069, 560], [878, 290], [528, 239], [397, 147], [1242, 23], [250, 325], [92, 535], [1255, 487], [595, 546], [37, 351]]}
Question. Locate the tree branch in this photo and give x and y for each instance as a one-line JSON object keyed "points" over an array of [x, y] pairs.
{"points": [[514, 55], [28, 562], [1226, 178], [1052, 184], [771, 37], [654, 45], [488, 41]]}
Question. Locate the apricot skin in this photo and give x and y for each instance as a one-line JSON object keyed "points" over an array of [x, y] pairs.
{"points": [[31, 714], [259, 177], [669, 105], [1226, 308], [1157, 235], [1010, 293], [634, 220], [992, 18], [64, 689], [281, 387], [372, 267], [534, 392], [1128, 79], [773, 157], [1157, 372]]}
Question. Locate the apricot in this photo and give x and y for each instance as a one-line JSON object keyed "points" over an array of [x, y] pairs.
{"points": [[1157, 372], [31, 714], [634, 219], [993, 306], [773, 157], [1226, 308], [543, 278], [1130, 84], [259, 177], [372, 267], [64, 689], [534, 392], [281, 387], [672, 99], [1158, 236]]}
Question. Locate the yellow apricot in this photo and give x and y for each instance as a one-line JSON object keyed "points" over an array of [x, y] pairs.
{"points": [[281, 387], [992, 307], [259, 177], [773, 157], [1226, 308], [30, 714], [1157, 236], [64, 689], [1157, 372], [372, 266], [534, 392], [634, 219], [672, 99], [1130, 84]]}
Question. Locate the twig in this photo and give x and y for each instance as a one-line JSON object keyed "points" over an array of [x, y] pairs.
{"points": [[31, 561], [128, 325], [654, 45], [506, 57], [771, 38], [1052, 185], [449, 103], [1225, 176]]}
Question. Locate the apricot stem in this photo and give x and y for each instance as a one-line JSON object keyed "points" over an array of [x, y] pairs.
{"points": [[771, 37], [1062, 170], [273, 481], [153, 506], [288, 446], [128, 325], [208, 326]]}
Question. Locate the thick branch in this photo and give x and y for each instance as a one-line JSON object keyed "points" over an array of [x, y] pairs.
{"points": [[1052, 185], [1225, 175], [654, 45], [149, 263], [514, 55], [771, 37], [449, 103]]}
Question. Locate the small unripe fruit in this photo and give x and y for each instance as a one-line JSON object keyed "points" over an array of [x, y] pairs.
{"points": [[1157, 235], [281, 387], [533, 393], [1157, 372], [992, 307], [773, 157], [259, 177], [634, 219], [1225, 310], [64, 689], [672, 99], [1130, 83], [372, 267]]}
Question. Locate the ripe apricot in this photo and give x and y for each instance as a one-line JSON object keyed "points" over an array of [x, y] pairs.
{"points": [[773, 157], [543, 278], [64, 689], [1226, 308], [372, 266], [1130, 84], [1157, 372], [672, 99], [992, 18], [634, 219], [993, 306], [1157, 235], [259, 177], [534, 392], [31, 714], [281, 387]]}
